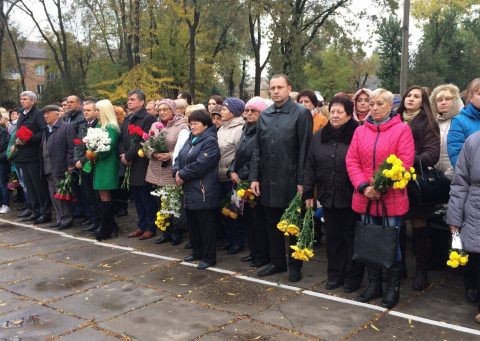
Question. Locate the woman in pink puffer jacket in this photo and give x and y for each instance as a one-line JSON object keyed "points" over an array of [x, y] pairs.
{"points": [[382, 134]]}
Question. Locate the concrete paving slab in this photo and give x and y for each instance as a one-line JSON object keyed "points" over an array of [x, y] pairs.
{"points": [[391, 327], [108, 300], [12, 237], [88, 334], [10, 302], [52, 244], [244, 330], [127, 265], [87, 254], [169, 319], [28, 268], [238, 296], [8, 255], [325, 319], [179, 279], [59, 284], [36, 322], [443, 304]]}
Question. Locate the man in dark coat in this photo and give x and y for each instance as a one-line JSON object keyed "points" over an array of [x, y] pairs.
{"points": [[284, 131], [28, 157], [57, 154], [128, 145]]}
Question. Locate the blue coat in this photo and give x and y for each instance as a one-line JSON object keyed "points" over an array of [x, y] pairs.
{"points": [[197, 164], [463, 125]]}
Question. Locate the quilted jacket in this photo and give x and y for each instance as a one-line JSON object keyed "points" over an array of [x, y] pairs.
{"points": [[371, 145], [197, 164], [462, 127], [463, 207]]}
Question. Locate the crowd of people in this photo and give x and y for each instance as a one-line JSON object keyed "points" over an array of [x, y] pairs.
{"points": [[293, 142]]}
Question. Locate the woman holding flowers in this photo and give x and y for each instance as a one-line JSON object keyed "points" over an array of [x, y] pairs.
{"points": [[327, 169], [415, 110], [463, 212], [196, 168], [105, 170], [381, 135], [253, 221], [159, 171]]}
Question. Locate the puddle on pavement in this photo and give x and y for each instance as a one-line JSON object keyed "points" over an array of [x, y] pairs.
{"points": [[21, 322]]}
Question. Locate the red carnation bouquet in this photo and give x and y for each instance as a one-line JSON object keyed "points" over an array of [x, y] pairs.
{"points": [[155, 143], [64, 188], [136, 133], [24, 134]]}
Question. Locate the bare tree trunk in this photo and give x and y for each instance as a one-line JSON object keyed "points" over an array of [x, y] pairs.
{"points": [[242, 82], [136, 32], [193, 32]]}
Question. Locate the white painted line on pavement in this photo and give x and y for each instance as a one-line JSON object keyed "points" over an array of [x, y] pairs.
{"points": [[436, 323], [154, 255], [189, 264], [223, 271], [261, 281], [78, 238], [45, 230], [113, 246], [343, 300]]}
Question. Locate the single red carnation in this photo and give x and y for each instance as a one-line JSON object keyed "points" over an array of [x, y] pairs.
{"points": [[67, 197], [152, 133], [76, 141]]}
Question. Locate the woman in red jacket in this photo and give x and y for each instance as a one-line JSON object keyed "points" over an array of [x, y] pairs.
{"points": [[382, 134]]}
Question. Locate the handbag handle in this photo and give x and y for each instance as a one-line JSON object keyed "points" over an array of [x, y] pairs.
{"points": [[384, 213]]}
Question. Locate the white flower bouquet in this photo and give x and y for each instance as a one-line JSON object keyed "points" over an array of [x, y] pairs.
{"points": [[97, 140]]}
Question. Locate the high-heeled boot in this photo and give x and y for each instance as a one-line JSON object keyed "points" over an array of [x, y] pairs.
{"points": [[374, 289], [392, 294], [108, 224]]}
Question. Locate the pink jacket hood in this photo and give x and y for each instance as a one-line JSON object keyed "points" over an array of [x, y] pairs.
{"points": [[354, 100]]}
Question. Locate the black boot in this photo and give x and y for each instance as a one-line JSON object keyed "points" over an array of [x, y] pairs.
{"points": [[108, 224], [374, 289], [421, 235], [122, 208], [403, 248], [394, 275]]}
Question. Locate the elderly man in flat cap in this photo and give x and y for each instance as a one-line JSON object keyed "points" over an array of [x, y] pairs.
{"points": [[57, 153]]}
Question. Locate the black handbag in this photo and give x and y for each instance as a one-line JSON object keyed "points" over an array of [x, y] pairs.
{"points": [[375, 245], [430, 187]]}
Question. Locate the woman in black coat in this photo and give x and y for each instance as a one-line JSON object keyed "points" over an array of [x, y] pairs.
{"points": [[327, 169], [196, 168]]}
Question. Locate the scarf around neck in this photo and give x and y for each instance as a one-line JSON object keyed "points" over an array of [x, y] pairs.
{"points": [[407, 118]]}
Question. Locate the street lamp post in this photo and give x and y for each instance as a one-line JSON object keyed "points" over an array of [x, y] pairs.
{"points": [[404, 60]]}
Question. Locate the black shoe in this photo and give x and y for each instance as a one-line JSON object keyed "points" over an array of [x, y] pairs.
{"points": [[42, 220], [271, 269], [31, 218], [333, 285], [163, 239], [121, 213], [258, 263], [97, 231], [295, 274], [420, 282], [22, 208], [188, 246], [175, 242], [225, 246], [65, 226], [348, 289], [248, 258], [204, 265], [90, 228], [374, 288], [190, 258], [234, 250], [471, 295], [24, 214], [391, 297], [85, 222], [54, 225]]}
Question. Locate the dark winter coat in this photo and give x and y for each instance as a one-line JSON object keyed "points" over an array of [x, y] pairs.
{"points": [[139, 165], [80, 149], [4, 139], [75, 118], [244, 152], [34, 121], [281, 145], [326, 166], [60, 147], [197, 166], [464, 201]]}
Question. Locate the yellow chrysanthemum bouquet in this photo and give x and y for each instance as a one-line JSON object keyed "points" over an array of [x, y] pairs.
{"points": [[292, 224], [391, 173], [245, 192], [456, 255], [171, 202]]}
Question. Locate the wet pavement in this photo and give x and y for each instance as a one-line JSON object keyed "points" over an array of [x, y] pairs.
{"points": [[67, 286]]}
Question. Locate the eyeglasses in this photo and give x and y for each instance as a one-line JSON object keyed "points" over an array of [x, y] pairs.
{"points": [[251, 111]]}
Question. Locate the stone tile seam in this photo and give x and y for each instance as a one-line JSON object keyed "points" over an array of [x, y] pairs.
{"points": [[307, 292]]}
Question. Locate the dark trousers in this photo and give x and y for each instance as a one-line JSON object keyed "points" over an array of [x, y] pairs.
{"points": [[340, 231], [257, 237], [93, 198], [146, 206], [276, 239], [63, 208], [202, 234], [37, 188], [4, 169], [82, 206], [471, 272]]}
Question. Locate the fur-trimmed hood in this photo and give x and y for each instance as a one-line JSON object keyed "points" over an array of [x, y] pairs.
{"points": [[456, 106]]}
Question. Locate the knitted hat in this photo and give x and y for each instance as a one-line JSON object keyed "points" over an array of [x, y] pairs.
{"points": [[396, 102], [235, 105], [216, 109], [170, 103], [257, 103]]}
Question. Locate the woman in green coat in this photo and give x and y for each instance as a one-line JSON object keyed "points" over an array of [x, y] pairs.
{"points": [[105, 171]]}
